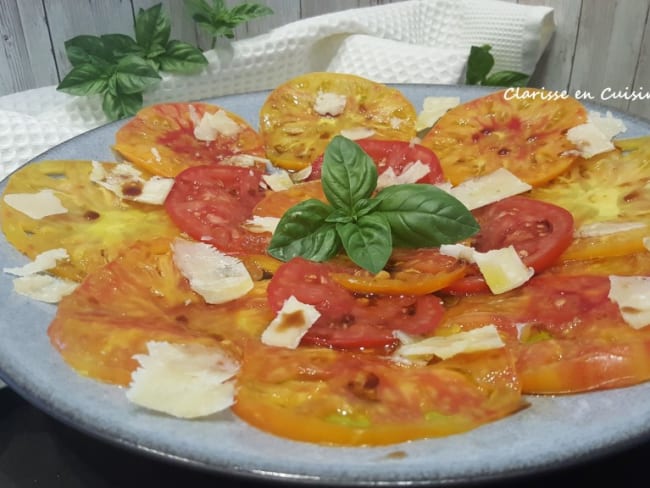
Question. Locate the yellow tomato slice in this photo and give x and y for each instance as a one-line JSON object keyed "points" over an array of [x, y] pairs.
{"points": [[607, 189], [524, 134], [96, 227], [139, 297], [160, 139], [296, 129]]}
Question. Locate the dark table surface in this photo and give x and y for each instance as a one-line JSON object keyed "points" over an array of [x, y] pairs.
{"points": [[39, 451]]}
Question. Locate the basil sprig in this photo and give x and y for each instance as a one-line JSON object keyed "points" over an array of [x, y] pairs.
{"points": [[479, 65], [367, 226], [218, 20], [121, 68]]}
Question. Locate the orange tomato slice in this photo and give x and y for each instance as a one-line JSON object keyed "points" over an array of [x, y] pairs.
{"points": [[160, 139], [409, 272], [338, 398], [524, 135], [276, 203], [139, 297], [296, 129]]}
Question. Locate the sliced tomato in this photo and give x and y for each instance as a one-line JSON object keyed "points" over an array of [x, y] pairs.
{"points": [[409, 271], [612, 189], [139, 297], [296, 131], [276, 203], [342, 398], [211, 204], [349, 320], [539, 231], [524, 133], [569, 337], [97, 226], [397, 155], [160, 139]]}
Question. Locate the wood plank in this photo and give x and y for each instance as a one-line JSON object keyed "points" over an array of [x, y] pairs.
{"points": [[642, 78], [554, 67], [608, 48], [70, 18], [26, 57], [311, 8]]}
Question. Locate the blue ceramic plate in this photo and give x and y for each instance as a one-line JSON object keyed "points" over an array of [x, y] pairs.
{"points": [[554, 431]]}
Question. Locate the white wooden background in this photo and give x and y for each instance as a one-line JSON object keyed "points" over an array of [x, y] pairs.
{"points": [[598, 44]]}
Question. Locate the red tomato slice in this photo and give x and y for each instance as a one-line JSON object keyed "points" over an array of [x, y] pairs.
{"points": [[396, 155], [539, 231], [349, 320], [343, 398], [568, 338], [211, 203]]}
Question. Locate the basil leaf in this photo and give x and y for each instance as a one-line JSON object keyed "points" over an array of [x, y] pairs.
{"points": [[86, 79], [181, 57], [303, 231], [364, 206], [367, 241], [348, 173], [247, 11], [152, 29], [424, 216], [119, 105], [479, 64], [506, 78], [86, 49], [339, 217], [218, 21], [134, 75], [120, 45]]}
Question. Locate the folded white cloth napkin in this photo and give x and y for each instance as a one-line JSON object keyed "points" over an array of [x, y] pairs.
{"points": [[415, 41]]}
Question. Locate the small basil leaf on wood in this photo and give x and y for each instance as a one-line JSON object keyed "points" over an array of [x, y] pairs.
{"points": [[303, 231], [219, 21], [424, 215], [348, 173], [367, 241], [152, 30]]}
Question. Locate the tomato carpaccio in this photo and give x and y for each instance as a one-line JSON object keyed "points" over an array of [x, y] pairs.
{"points": [[346, 383]]}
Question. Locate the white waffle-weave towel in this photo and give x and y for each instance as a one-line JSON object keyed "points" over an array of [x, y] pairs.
{"points": [[415, 41]]}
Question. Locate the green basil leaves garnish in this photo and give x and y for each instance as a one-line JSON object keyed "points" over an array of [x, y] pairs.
{"points": [[121, 69], [367, 226]]}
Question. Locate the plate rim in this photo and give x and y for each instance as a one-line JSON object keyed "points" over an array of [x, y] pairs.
{"points": [[40, 400]]}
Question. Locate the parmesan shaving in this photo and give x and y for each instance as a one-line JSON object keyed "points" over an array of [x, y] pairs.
{"points": [[186, 381], [474, 340], [36, 205]]}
